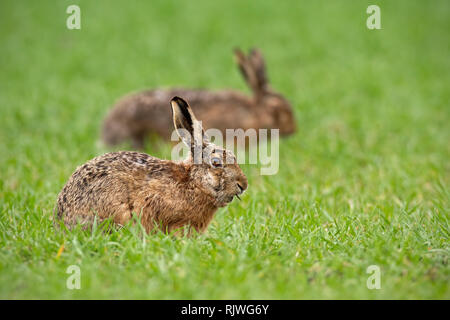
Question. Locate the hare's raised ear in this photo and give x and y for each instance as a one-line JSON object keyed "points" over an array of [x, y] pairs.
{"points": [[247, 70], [259, 66], [188, 128]]}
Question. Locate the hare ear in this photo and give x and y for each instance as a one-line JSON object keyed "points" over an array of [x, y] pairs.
{"points": [[247, 70], [257, 61], [188, 128]]}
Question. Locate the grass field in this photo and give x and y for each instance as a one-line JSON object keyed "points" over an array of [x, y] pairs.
{"points": [[365, 181]]}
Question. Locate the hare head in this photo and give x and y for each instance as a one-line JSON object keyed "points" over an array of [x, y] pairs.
{"points": [[275, 111], [214, 170]]}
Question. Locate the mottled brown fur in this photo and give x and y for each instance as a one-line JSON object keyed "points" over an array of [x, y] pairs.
{"points": [[161, 192], [140, 114]]}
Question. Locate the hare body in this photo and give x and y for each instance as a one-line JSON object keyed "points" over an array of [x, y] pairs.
{"points": [[139, 115], [161, 192], [122, 183]]}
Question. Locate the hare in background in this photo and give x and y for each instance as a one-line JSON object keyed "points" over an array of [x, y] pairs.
{"points": [[138, 115], [161, 192]]}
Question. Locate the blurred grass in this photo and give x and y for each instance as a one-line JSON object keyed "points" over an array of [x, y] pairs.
{"points": [[364, 181]]}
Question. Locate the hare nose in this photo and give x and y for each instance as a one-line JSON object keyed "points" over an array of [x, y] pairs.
{"points": [[242, 186]]}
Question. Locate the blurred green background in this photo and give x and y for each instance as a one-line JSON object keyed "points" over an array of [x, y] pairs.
{"points": [[363, 182]]}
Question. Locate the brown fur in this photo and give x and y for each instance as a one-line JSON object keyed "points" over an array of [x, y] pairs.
{"points": [[161, 192], [138, 115]]}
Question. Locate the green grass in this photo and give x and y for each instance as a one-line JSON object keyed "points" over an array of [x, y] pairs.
{"points": [[365, 181]]}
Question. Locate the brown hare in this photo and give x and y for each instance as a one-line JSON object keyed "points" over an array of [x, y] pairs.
{"points": [[138, 115], [169, 194]]}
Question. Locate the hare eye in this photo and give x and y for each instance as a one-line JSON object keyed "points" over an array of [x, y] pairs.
{"points": [[216, 162]]}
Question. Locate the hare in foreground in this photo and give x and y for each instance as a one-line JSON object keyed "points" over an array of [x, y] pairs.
{"points": [[137, 115], [161, 192]]}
